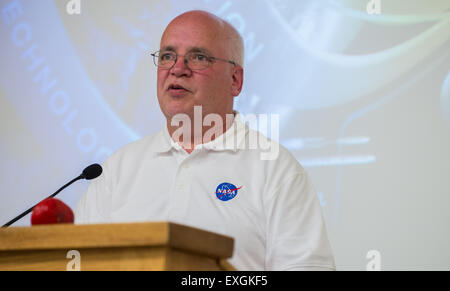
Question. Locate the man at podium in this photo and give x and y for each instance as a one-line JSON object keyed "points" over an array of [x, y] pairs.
{"points": [[207, 168]]}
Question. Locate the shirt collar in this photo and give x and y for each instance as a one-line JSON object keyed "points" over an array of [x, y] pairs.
{"points": [[231, 140], [163, 142]]}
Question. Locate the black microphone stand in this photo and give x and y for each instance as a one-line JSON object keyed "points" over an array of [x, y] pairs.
{"points": [[51, 196]]}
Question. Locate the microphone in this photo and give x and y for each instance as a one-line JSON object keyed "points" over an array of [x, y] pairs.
{"points": [[91, 172]]}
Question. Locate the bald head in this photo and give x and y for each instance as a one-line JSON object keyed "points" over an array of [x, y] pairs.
{"points": [[213, 44], [217, 29]]}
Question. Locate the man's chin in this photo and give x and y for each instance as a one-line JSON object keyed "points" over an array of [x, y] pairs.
{"points": [[174, 111]]}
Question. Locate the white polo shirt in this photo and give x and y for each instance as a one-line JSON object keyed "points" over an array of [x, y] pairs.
{"points": [[269, 207]]}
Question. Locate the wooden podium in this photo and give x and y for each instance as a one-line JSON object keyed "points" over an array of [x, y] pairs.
{"points": [[137, 246]]}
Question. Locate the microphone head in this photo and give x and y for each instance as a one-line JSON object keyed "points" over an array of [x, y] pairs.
{"points": [[92, 172]]}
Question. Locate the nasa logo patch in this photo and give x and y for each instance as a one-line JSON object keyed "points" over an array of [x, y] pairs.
{"points": [[226, 191]]}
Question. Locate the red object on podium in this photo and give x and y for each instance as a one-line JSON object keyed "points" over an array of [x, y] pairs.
{"points": [[51, 211]]}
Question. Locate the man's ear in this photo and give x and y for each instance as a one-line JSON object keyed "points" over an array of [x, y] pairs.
{"points": [[238, 80]]}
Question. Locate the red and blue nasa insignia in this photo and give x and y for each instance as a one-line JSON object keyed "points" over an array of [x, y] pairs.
{"points": [[226, 191]]}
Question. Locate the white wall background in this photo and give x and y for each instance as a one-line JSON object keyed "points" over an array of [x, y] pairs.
{"points": [[364, 104]]}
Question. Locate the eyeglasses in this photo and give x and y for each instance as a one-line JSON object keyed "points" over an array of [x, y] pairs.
{"points": [[194, 60]]}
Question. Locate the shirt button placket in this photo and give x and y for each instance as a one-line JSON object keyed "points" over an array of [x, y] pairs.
{"points": [[180, 196]]}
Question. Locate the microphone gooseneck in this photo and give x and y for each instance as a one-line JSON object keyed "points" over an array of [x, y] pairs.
{"points": [[91, 172]]}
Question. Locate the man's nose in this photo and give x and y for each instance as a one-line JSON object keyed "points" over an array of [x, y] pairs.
{"points": [[180, 68]]}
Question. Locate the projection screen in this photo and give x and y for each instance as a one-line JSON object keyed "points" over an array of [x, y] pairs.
{"points": [[362, 91]]}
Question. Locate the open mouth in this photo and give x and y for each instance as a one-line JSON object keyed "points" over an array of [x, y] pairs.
{"points": [[177, 90], [175, 87]]}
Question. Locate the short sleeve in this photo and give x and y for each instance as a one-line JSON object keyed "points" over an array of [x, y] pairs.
{"points": [[296, 233]]}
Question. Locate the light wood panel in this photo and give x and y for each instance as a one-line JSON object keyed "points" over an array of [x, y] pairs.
{"points": [[134, 246]]}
